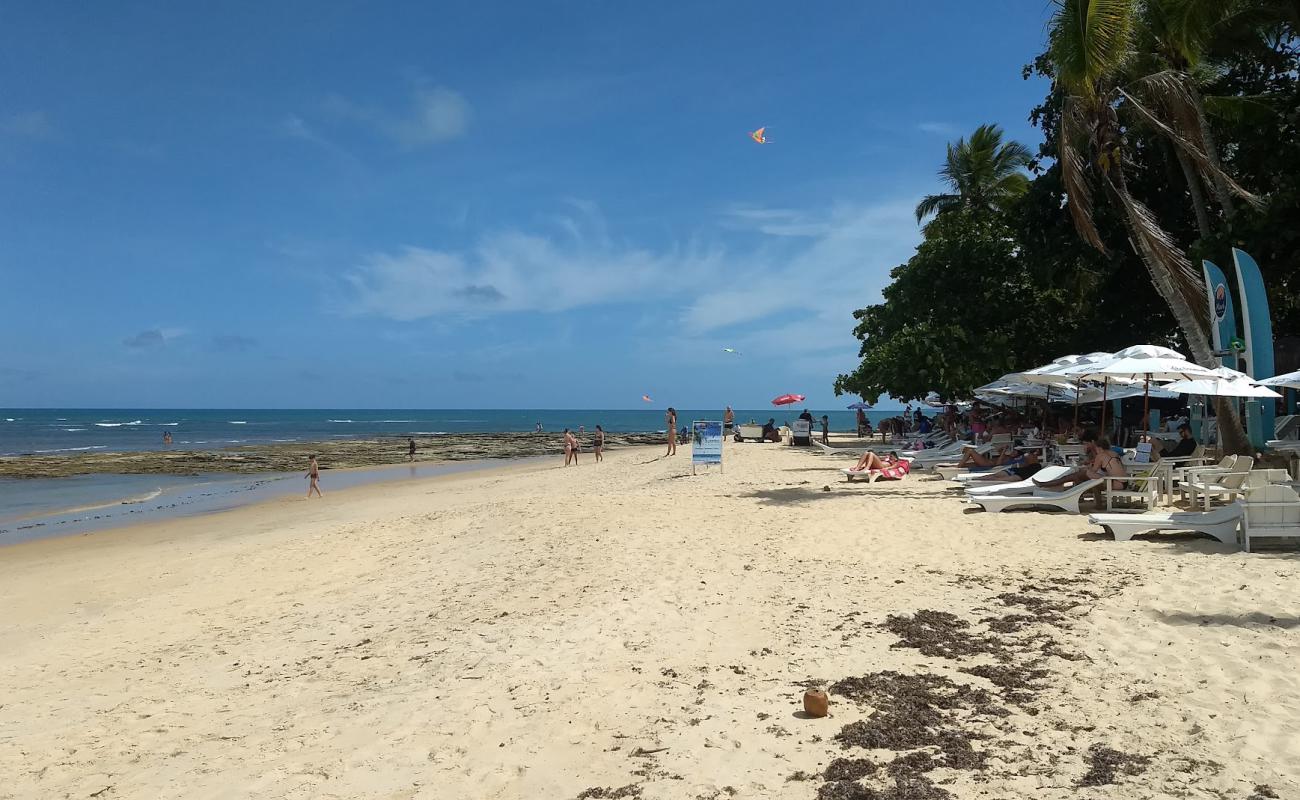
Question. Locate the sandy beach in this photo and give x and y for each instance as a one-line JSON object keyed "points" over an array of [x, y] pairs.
{"points": [[627, 630]]}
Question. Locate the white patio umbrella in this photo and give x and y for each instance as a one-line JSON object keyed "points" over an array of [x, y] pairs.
{"points": [[1064, 369], [1222, 387], [1149, 351], [1290, 380], [1160, 368]]}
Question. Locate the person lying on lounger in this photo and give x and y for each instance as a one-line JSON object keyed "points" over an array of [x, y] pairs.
{"points": [[1101, 462], [1026, 468], [974, 459], [870, 461]]}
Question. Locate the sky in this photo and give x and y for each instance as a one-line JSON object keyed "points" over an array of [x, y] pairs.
{"points": [[487, 204]]}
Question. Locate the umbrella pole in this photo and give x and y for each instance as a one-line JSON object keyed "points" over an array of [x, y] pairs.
{"points": [[1105, 386], [1146, 401], [1077, 384]]}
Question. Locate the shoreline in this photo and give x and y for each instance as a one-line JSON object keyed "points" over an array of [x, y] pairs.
{"points": [[268, 488]]}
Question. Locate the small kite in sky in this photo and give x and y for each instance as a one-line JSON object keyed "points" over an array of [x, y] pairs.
{"points": [[646, 398], [758, 135], [731, 350]]}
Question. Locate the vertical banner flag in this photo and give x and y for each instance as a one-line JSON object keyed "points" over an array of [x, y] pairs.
{"points": [[706, 443], [1223, 320], [1259, 342]]}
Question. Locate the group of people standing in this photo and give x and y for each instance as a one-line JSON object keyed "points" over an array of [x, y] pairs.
{"points": [[572, 447]]}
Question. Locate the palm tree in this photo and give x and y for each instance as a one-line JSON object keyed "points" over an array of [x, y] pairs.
{"points": [[1091, 47], [983, 172]]}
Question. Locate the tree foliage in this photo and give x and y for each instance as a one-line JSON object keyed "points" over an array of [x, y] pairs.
{"points": [[1166, 102]]}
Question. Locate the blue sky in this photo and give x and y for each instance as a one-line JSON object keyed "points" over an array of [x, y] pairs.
{"points": [[482, 204]]}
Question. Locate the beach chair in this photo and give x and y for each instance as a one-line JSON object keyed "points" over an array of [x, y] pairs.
{"points": [[1015, 488], [1272, 518], [801, 433], [1069, 453], [1066, 500], [1211, 484], [1221, 523], [1167, 466], [896, 472], [1142, 487], [750, 432], [967, 474]]}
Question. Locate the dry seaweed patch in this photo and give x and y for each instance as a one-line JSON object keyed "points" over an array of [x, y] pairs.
{"points": [[932, 722], [606, 793], [938, 633], [1105, 764], [1263, 792], [849, 769]]}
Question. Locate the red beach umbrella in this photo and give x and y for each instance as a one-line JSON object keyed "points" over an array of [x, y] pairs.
{"points": [[788, 399]]}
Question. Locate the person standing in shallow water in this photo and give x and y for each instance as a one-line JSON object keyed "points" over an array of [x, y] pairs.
{"points": [[670, 418], [410, 450], [313, 473]]}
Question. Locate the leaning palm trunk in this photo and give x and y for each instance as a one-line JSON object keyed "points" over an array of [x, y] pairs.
{"points": [[1184, 293], [1195, 192], [1221, 190]]}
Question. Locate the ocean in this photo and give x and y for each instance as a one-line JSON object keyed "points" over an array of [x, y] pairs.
{"points": [[29, 431]]}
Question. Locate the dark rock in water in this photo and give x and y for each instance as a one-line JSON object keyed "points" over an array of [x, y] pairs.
{"points": [[292, 456]]}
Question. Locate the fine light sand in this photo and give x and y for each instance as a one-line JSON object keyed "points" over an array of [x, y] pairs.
{"points": [[626, 629]]}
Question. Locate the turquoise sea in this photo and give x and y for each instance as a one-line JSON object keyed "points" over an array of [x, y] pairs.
{"points": [[27, 431]]}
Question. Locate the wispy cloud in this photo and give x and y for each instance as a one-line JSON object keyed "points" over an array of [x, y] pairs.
{"points": [[787, 293], [436, 114], [576, 265], [154, 337], [28, 124], [234, 343], [19, 374], [775, 221], [938, 128]]}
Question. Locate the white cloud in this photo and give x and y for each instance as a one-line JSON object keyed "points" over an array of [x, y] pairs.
{"points": [[28, 124], [437, 114], [938, 128], [786, 294]]}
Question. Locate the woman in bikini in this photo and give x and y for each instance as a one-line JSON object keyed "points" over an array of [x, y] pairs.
{"points": [[600, 443], [313, 473], [670, 419], [870, 461]]}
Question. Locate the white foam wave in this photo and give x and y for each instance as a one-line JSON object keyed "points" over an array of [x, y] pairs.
{"points": [[144, 498], [167, 424], [9, 419], [431, 433], [237, 422], [73, 449], [395, 421], [137, 422], [73, 430], [343, 421]]}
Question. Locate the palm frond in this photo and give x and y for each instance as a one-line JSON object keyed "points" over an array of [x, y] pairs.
{"points": [[1166, 262], [1089, 40], [936, 204], [1077, 192], [1196, 154]]}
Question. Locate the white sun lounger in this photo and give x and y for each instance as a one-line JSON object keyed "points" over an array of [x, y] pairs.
{"points": [[1019, 488], [1221, 523], [1067, 500], [966, 475]]}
